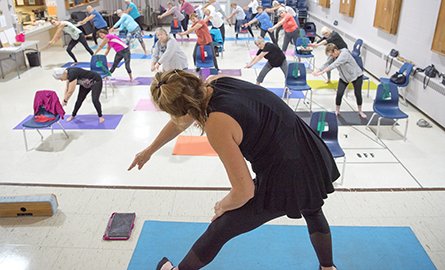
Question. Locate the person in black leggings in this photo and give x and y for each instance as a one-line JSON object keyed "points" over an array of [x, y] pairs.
{"points": [[89, 81], [75, 34], [294, 169]]}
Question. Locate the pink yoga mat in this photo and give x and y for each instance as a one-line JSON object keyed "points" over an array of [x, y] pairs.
{"points": [[146, 105]]}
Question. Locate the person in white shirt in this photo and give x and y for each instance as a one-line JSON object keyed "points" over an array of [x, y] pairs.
{"points": [[240, 17], [216, 21], [175, 11]]}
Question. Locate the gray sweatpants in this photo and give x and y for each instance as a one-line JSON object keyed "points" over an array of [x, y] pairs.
{"points": [[267, 67]]}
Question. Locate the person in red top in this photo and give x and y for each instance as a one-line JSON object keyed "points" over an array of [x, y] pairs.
{"points": [[188, 10], [289, 25], [204, 37]]}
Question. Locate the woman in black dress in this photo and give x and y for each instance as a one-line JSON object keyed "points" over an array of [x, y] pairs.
{"points": [[294, 168]]}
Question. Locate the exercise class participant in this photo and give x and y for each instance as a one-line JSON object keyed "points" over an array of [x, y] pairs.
{"points": [[119, 46], [274, 55], [289, 25], [167, 54], [126, 23], [294, 169], [349, 71], [133, 11], [98, 21], [265, 23], [240, 18], [88, 81], [203, 34], [75, 34]]}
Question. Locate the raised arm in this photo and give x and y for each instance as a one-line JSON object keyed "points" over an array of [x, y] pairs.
{"points": [[70, 87], [57, 35], [225, 135], [168, 133], [191, 29], [165, 14], [87, 19]]}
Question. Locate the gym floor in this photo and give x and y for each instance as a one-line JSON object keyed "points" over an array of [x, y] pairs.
{"points": [[88, 172]]}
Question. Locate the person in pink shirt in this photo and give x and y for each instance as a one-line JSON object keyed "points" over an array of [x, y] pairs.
{"points": [[121, 48], [188, 10]]}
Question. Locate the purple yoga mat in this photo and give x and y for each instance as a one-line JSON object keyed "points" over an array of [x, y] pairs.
{"points": [[85, 121], [288, 52], [136, 81], [146, 105], [186, 39], [279, 92]]}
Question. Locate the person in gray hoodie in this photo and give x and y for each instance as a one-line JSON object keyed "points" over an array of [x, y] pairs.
{"points": [[349, 71], [167, 53]]}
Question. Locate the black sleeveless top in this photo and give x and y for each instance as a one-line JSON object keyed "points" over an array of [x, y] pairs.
{"points": [[294, 168]]}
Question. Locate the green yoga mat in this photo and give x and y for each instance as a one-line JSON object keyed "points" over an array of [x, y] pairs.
{"points": [[320, 84]]}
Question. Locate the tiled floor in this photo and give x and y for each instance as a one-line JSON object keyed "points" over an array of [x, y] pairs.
{"points": [[72, 238]]}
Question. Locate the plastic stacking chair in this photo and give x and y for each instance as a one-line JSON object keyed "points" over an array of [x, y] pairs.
{"points": [[99, 65], [386, 105], [296, 81], [218, 42], [206, 60], [357, 49], [311, 30], [326, 126], [405, 69], [303, 42], [49, 118], [359, 61]]}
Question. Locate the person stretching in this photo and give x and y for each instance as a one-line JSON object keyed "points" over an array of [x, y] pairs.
{"points": [[75, 34], [265, 23], [122, 50], [88, 81], [289, 25], [98, 21], [349, 71], [274, 55], [127, 23]]}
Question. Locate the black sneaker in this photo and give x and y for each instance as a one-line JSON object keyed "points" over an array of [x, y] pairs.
{"points": [[198, 69]]}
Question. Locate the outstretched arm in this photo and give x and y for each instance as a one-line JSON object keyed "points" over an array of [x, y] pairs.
{"points": [[102, 44], [256, 59], [87, 19], [168, 133]]}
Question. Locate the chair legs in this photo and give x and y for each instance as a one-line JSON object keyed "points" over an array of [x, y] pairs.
{"points": [[63, 129], [343, 171], [41, 136], [403, 90], [393, 127]]}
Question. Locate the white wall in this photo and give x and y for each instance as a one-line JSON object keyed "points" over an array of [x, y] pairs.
{"points": [[414, 35], [413, 40]]}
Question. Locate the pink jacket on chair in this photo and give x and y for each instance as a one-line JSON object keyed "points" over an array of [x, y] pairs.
{"points": [[50, 101]]}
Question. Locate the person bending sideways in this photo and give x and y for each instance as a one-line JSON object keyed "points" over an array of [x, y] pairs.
{"points": [[294, 168], [167, 54], [330, 36], [88, 81], [119, 46], [240, 17], [75, 34], [289, 25], [265, 23], [175, 12], [274, 55], [203, 34], [349, 71], [127, 23], [98, 21]]}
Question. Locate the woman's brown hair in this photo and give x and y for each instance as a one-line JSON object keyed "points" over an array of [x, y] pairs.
{"points": [[179, 93], [330, 48]]}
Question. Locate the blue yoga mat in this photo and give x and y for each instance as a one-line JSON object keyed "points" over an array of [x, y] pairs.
{"points": [[273, 247], [148, 36], [140, 56], [279, 92], [87, 64], [85, 121]]}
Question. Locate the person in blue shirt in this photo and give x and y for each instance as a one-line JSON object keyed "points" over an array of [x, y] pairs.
{"points": [[126, 23], [133, 11], [265, 23], [98, 21]]}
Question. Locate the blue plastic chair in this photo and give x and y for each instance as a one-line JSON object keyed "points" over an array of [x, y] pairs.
{"points": [[326, 126], [32, 124], [99, 65], [217, 40], [304, 41], [359, 61], [175, 30], [311, 30], [298, 83], [406, 69], [208, 57], [357, 49], [386, 105]]}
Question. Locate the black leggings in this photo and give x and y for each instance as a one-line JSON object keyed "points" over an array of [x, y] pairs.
{"points": [[238, 25], [244, 219], [95, 89], [95, 33], [357, 90], [223, 32], [124, 54], [185, 22], [272, 37], [74, 42]]}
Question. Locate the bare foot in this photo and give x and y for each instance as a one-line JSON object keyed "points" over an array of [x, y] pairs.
{"points": [[362, 115], [69, 119], [167, 266], [327, 81], [131, 77], [101, 120]]}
